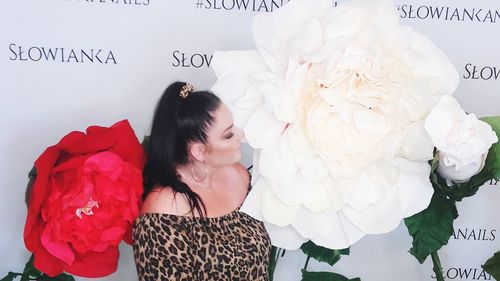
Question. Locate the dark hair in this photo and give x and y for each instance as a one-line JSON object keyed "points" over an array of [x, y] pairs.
{"points": [[177, 121]]}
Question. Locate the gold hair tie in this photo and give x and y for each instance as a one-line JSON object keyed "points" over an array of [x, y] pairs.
{"points": [[186, 90]]}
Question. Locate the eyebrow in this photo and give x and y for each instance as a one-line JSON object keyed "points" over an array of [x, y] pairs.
{"points": [[228, 128]]}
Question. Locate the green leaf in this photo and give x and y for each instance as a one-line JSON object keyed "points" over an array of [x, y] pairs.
{"points": [[457, 191], [145, 143], [493, 160], [10, 276], [324, 276], [66, 277], [30, 270], [60, 277], [323, 254], [435, 161], [431, 228], [29, 186], [273, 261], [492, 266]]}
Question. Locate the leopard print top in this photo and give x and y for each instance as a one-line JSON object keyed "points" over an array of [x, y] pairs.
{"points": [[231, 247]]}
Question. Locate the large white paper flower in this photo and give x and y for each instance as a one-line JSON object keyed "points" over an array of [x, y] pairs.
{"points": [[334, 101], [462, 140]]}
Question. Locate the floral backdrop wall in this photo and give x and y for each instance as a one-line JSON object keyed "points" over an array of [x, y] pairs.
{"points": [[67, 65]]}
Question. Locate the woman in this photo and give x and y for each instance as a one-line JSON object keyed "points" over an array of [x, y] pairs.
{"points": [[190, 227]]}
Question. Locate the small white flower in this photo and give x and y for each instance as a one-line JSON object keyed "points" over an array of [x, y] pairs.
{"points": [[462, 140], [333, 101]]}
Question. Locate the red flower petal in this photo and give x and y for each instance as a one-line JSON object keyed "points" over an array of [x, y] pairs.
{"points": [[112, 233], [129, 148], [47, 263], [95, 265], [58, 249], [40, 191], [104, 165]]}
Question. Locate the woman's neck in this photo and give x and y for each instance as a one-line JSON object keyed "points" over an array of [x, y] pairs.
{"points": [[185, 171]]}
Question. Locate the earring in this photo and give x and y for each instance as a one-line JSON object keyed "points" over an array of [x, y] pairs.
{"points": [[198, 173]]}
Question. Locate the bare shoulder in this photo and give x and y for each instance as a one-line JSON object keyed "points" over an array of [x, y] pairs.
{"points": [[242, 174], [231, 176], [165, 201]]}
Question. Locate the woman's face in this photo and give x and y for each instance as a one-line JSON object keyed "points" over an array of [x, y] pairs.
{"points": [[224, 139]]}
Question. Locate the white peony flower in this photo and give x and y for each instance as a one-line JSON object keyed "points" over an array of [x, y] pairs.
{"points": [[462, 140], [334, 101]]}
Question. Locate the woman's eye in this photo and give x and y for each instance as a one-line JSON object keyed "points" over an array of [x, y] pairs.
{"points": [[229, 136]]}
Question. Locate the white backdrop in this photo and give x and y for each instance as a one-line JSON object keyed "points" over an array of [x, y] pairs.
{"points": [[136, 48]]}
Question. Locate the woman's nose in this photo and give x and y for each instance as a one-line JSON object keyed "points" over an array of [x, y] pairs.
{"points": [[238, 132]]}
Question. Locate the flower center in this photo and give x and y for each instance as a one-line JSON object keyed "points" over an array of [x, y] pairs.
{"points": [[87, 209]]}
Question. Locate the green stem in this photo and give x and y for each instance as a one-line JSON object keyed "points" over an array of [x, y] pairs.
{"points": [[275, 254], [27, 269], [11, 275], [307, 262], [438, 269]]}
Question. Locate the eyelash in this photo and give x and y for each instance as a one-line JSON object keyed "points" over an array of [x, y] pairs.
{"points": [[229, 136]]}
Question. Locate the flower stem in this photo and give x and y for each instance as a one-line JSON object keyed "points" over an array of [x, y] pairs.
{"points": [[275, 255], [438, 269], [307, 262], [11, 275], [27, 269]]}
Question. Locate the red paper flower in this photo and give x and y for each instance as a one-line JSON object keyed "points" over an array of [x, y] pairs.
{"points": [[84, 200]]}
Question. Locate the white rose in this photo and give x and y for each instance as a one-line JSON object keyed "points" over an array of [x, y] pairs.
{"points": [[462, 140], [333, 101]]}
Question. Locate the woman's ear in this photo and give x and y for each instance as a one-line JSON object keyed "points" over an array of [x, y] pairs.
{"points": [[197, 151]]}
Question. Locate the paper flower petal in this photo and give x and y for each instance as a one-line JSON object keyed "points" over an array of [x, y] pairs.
{"points": [[334, 101]]}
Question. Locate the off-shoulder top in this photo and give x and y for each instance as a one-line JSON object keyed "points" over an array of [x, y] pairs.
{"points": [[234, 246]]}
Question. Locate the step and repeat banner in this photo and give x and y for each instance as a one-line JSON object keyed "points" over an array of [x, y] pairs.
{"points": [[69, 64]]}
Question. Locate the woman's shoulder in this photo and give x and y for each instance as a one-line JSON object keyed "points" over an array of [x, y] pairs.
{"points": [[164, 200], [243, 173], [237, 175]]}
